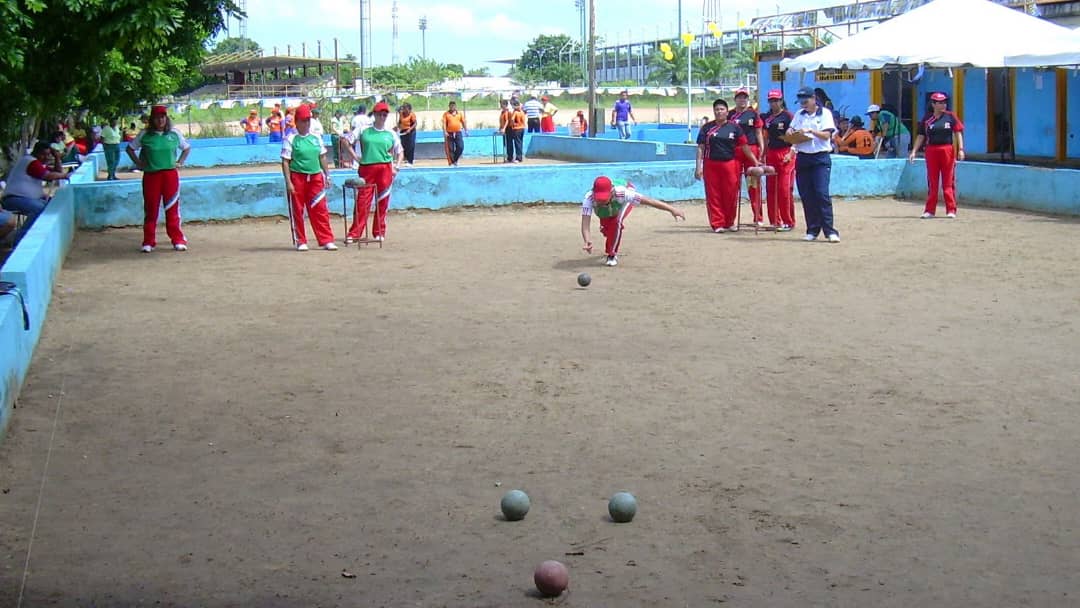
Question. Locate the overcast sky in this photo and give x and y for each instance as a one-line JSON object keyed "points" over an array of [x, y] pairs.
{"points": [[474, 32]]}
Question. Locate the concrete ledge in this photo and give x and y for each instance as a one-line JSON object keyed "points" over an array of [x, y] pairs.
{"points": [[1008, 186]]}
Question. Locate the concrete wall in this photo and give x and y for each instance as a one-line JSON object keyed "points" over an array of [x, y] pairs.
{"points": [[1009, 186], [33, 267]]}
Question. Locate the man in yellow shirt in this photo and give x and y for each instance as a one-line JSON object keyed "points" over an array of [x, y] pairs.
{"points": [[454, 131]]}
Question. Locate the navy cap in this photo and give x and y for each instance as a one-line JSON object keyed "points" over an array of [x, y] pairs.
{"points": [[805, 92]]}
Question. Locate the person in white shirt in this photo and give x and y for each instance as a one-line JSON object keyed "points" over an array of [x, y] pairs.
{"points": [[360, 122], [316, 124], [533, 110], [813, 165]]}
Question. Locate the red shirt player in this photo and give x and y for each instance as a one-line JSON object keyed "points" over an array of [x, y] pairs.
{"points": [[944, 136], [747, 118], [611, 201], [722, 152], [781, 157]]}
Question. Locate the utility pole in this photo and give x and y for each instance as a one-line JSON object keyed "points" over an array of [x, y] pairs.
{"points": [[423, 37], [592, 68]]}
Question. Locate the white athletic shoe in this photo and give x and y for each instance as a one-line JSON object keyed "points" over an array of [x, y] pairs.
{"points": [[349, 240], [719, 230], [927, 215], [810, 237], [783, 228], [302, 247], [380, 238], [951, 216], [612, 260], [834, 238], [146, 249], [330, 246], [180, 247], [759, 224]]}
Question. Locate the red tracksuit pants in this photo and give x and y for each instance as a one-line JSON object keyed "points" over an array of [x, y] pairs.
{"points": [[753, 184], [721, 191], [781, 202], [612, 229], [940, 169], [310, 195], [158, 187], [382, 176]]}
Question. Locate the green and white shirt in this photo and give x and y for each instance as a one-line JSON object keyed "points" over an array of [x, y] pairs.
{"points": [[303, 152], [378, 146], [161, 148]]}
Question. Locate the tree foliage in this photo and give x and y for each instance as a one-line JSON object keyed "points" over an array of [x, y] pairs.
{"points": [[235, 45], [547, 59], [416, 74], [106, 56]]}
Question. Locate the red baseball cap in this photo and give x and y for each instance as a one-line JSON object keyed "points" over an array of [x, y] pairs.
{"points": [[159, 111], [303, 112], [382, 106], [939, 96], [775, 94], [742, 91], [601, 189], [544, 98]]}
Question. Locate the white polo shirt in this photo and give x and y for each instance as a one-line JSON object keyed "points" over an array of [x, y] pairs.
{"points": [[822, 120]]}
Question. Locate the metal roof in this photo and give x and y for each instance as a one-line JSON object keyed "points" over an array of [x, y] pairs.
{"points": [[251, 60]]}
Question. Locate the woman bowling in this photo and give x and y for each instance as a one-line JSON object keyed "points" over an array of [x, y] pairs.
{"points": [[153, 151], [722, 150], [781, 157], [380, 158], [303, 162], [943, 134]]}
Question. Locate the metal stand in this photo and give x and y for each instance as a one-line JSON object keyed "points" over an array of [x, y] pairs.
{"points": [[350, 191]]}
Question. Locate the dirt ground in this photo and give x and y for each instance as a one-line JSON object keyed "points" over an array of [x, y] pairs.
{"points": [[887, 421]]}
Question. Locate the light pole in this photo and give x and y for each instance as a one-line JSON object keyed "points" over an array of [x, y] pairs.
{"points": [[423, 37], [582, 62], [688, 39]]}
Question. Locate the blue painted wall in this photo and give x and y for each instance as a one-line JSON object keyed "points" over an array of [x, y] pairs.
{"points": [[974, 112], [849, 97], [1010, 186], [1072, 145], [1036, 103], [33, 267]]}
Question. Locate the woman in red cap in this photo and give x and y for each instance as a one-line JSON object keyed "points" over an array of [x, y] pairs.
{"points": [[747, 118], [303, 162], [547, 118], [944, 136], [153, 151], [611, 201], [380, 157], [780, 156], [722, 151]]}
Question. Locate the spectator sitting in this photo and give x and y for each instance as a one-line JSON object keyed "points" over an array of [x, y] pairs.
{"points": [[64, 147], [24, 193], [857, 141]]}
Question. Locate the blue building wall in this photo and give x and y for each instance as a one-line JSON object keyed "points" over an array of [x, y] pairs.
{"points": [[1009, 186], [1035, 115], [974, 112], [1072, 145], [849, 97]]}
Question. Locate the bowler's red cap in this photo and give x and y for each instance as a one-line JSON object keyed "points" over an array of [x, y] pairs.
{"points": [[382, 106], [742, 91], [303, 112], [601, 189], [939, 96], [775, 94], [159, 111]]}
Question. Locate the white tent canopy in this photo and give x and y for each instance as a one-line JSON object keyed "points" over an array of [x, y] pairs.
{"points": [[943, 33], [1066, 53]]}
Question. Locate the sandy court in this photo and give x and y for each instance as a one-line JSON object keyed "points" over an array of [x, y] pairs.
{"points": [[891, 421]]}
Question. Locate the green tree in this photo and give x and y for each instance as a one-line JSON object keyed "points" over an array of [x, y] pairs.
{"points": [[235, 45], [669, 73], [711, 68], [106, 56], [806, 41], [540, 61], [484, 71], [415, 74]]}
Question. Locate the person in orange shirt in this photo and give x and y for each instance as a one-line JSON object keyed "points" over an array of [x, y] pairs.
{"points": [[504, 129], [406, 127], [518, 122], [857, 141], [274, 125], [252, 127], [454, 131]]}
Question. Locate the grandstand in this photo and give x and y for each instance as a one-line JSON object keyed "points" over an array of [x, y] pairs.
{"points": [[250, 74]]}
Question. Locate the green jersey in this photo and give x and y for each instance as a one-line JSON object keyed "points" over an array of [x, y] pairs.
{"points": [[303, 152], [161, 147], [378, 146]]}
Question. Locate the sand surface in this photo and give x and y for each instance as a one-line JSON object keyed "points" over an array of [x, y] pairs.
{"points": [[888, 421]]}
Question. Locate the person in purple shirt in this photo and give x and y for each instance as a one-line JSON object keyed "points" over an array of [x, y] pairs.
{"points": [[622, 114]]}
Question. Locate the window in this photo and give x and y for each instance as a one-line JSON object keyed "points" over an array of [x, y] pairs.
{"points": [[777, 75], [831, 75]]}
